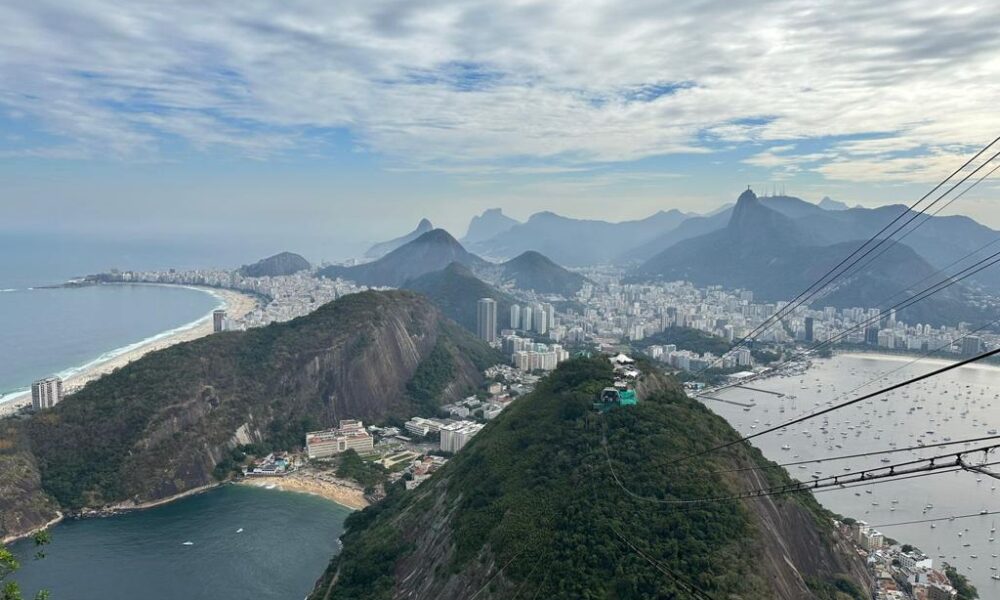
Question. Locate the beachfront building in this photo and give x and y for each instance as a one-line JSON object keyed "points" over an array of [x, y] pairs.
{"points": [[46, 393], [351, 435], [218, 320]]}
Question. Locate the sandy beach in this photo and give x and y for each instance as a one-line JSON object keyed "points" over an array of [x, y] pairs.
{"points": [[319, 483], [236, 306]]}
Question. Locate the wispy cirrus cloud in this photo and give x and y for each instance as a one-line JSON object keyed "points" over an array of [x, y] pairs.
{"points": [[898, 87]]}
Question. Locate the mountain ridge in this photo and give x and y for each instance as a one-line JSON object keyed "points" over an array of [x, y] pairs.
{"points": [[382, 248], [431, 251], [490, 223], [770, 253], [577, 242]]}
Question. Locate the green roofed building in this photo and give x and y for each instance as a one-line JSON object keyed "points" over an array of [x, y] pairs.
{"points": [[626, 398]]}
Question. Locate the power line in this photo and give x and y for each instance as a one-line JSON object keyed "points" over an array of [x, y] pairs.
{"points": [[875, 238], [495, 575], [942, 285], [927, 292], [885, 375], [859, 455], [798, 300], [690, 588], [928, 375], [927, 217], [952, 462], [938, 519], [979, 469]]}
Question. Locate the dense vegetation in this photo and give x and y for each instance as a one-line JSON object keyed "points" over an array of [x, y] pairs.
{"points": [[145, 429], [535, 492], [686, 338], [455, 291], [365, 472], [966, 591], [534, 271], [284, 263]]}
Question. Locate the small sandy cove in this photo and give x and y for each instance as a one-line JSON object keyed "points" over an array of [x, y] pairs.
{"points": [[318, 483]]}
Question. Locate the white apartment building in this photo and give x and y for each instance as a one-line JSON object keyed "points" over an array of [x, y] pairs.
{"points": [[46, 393]]}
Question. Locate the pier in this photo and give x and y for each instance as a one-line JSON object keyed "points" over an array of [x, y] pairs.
{"points": [[733, 402], [753, 389]]}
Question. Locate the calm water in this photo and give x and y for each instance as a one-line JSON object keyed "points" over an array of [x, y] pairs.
{"points": [[964, 403], [56, 331], [286, 542]]}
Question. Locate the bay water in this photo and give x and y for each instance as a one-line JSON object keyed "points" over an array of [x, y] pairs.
{"points": [[230, 543], [959, 404]]}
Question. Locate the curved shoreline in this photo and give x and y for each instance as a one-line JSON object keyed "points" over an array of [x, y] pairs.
{"points": [[236, 304], [336, 490], [340, 494]]}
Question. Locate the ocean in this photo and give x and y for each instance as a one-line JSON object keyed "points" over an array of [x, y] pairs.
{"points": [[286, 542], [58, 331]]}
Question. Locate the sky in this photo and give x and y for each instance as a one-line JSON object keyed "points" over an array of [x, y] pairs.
{"points": [[323, 126]]}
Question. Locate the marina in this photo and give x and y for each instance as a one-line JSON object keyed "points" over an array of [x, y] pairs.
{"points": [[959, 405]]}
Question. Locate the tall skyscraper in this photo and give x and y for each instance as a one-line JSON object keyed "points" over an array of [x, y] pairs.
{"points": [[541, 320], [46, 393], [515, 316], [809, 329], [527, 318], [871, 336], [550, 315], [486, 319], [218, 320]]}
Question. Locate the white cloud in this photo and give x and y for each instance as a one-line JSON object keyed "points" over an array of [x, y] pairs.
{"points": [[460, 85]]}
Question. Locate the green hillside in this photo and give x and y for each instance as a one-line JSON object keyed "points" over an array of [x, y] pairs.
{"points": [[160, 425], [531, 504]]}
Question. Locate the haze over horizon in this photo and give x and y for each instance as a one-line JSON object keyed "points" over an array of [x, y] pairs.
{"points": [[324, 129]]}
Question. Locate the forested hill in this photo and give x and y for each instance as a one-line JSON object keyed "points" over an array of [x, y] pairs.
{"points": [[284, 263], [531, 505], [455, 290], [160, 425]]}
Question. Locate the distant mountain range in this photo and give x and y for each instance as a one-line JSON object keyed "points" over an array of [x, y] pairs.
{"points": [[772, 247], [576, 242], [431, 251], [828, 203], [284, 263], [437, 249], [488, 225], [381, 249]]}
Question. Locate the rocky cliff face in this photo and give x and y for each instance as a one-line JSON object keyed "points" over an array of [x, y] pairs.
{"points": [[161, 425], [551, 498], [23, 504]]}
